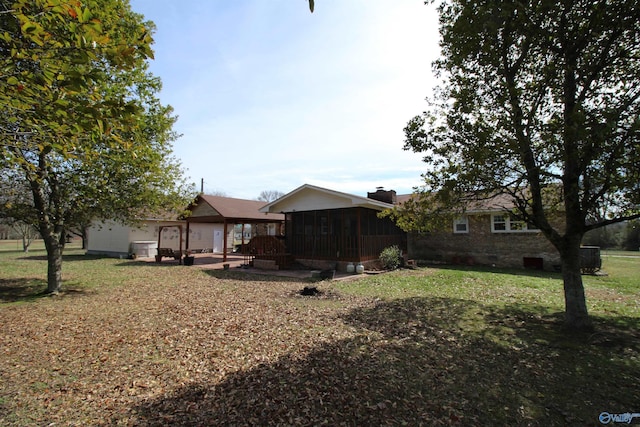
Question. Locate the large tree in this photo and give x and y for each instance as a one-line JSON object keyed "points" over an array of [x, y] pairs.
{"points": [[83, 135], [540, 101]]}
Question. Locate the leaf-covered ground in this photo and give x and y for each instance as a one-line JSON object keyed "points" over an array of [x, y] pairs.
{"points": [[180, 346]]}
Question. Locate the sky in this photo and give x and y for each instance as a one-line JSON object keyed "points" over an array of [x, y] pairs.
{"points": [[270, 96]]}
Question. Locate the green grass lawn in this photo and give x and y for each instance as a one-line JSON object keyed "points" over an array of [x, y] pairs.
{"points": [[134, 343], [611, 291]]}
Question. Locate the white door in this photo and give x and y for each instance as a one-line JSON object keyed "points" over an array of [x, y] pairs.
{"points": [[218, 238]]}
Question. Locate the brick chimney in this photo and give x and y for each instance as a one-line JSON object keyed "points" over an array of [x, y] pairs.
{"points": [[382, 195]]}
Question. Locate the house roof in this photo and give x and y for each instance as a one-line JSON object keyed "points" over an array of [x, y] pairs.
{"points": [[499, 202], [401, 198], [495, 203], [310, 197], [208, 208]]}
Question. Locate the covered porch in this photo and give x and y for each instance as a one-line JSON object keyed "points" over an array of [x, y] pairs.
{"points": [[330, 229], [346, 235], [226, 213]]}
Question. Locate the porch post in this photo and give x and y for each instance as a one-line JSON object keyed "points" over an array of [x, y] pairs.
{"points": [[160, 227], [224, 250], [187, 239], [180, 228], [359, 232]]}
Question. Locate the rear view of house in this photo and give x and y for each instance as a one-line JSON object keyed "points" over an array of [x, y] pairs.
{"points": [[330, 229]]}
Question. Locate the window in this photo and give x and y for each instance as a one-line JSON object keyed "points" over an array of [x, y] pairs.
{"points": [[517, 225], [498, 223], [461, 225], [503, 223]]}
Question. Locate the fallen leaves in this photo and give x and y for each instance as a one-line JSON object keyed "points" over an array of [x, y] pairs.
{"points": [[97, 358], [234, 351]]}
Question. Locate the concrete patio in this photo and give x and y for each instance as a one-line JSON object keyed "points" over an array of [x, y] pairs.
{"points": [[239, 263]]}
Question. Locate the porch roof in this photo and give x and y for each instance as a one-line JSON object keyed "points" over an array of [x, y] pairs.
{"points": [[219, 209]]}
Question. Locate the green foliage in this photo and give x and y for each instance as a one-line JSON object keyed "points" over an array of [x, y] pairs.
{"points": [[53, 53], [536, 98], [391, 257], [539, 103], [423, 212], [83, 135]]}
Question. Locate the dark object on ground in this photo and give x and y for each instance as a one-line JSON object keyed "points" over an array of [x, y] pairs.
{"points": [[307, 291]]}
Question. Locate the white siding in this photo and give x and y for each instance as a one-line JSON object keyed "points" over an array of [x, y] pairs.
{"points": [[200, 236], [309, 201], [108, 238], [114, 239]]}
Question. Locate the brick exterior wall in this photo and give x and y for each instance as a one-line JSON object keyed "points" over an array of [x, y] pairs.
{"points": [[481, 246]]}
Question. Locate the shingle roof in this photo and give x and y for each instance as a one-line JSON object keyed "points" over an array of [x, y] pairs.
{"points": [[230, 208], [499, 202], [401, 198]]}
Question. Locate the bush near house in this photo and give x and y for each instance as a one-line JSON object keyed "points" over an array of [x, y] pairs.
{"points": [[391, 257]]}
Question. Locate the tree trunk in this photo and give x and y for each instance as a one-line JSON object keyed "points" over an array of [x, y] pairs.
{"points": [[54, 263], [576, 314], [84, 236], [48, 204], [25, 244]]}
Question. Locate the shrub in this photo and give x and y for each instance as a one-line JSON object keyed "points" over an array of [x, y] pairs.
{"points": [[391, 257]]}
